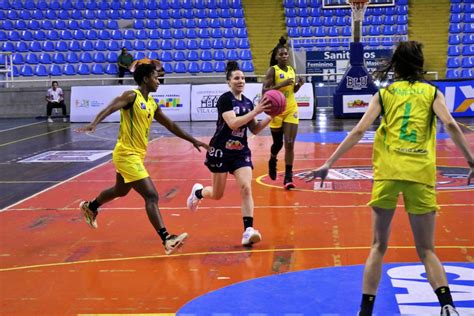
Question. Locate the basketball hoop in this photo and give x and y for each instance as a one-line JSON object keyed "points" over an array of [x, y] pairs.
{"points": [[358, 8]]}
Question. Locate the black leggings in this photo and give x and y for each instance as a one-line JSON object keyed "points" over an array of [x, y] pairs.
{"points": [[52, 105]]}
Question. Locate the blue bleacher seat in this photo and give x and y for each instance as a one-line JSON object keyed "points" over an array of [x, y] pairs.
{"points": [[452, 74], [166, 44], [73, 25], [179, 44], [217, 44], [126, 15], [178, 34], [58, 58], [206, 67], [219, 66], [129, 34], [192, 44], [468, 28], [21, 47], [453, 62], [454, 39], [455, 18], [179, 67], [85, 57], [240, 23], [98, 69], [71, 57], [112, 57], [117, 35], [113, 46], [166, 56], [205, 55], [294, 32], [85, 25], [193, 67], [468, 62], [34, 25], [242, 43], [48, 46], [45, 58], [111, 69], [69, 70], [127, 44], [153, 45], [191, 33], [112, 25], [55, 70], [139, 45], [203, 33], [468, 39], [245, 54], [65, 35], [8, 25], [455, 28], [232, 55], [242, 33], [113, 14], [12, 15], [101, 16], [457, 7], [468, 50], [467, 73], [154, 34], [216, 33], [14, 36], [83, 69], [205, 44], [74, 46], [141, 34], [153, 55], [31, 59], [247, 66], [75, 14], [468, 7], [3, 36], [88, 14], [87, 45], [41, 70], [179, 56], [192, 56], [18, 59], [103, 5], [166, 34], [219, 55], [225, 13], [67, 5], [468, 17], [26, 71]]}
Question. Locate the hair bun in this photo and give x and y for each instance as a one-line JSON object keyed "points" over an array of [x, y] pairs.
{"points": [[231, 66], [282, 41]]}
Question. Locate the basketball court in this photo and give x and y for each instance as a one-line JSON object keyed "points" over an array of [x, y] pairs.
{"points": [[308, 263]]}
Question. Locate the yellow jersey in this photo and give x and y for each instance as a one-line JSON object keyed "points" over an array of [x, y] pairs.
{"points": [[135, 122], [405, 142], [288, 91]]}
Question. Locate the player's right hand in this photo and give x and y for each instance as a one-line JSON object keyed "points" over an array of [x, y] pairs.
{"points": [[88, 128], [321, 172]]}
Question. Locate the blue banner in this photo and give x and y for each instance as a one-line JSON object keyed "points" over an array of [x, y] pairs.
{"points": [[459, 96]]}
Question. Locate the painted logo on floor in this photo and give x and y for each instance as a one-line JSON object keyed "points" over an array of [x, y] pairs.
{"points": [[404, 289], [359, 179]]}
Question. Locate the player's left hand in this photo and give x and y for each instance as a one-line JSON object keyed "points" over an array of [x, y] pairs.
{"points": [[300, 81], [197, 144], [321, 172], [87, 128]]}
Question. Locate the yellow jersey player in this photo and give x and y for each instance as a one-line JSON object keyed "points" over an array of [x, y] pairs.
{"points": [[404, 159], [137, 111], [284, 127]]}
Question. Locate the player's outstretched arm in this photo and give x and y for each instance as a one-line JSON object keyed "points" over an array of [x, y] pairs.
{"points": [[441, 111], [119, 102], [161, 118], [350, 141]]}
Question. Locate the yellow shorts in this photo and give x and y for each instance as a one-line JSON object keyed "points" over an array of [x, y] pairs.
{"points": [[289, 116], [419, 198], [130, 167]]}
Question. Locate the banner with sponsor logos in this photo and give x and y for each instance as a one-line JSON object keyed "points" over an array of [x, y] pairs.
{"points": [[204, 100], [87, 101], [330, 62], [459, 96]]}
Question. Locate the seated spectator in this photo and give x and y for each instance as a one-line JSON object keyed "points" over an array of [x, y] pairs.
{"points": [[125, 59], [158, 65], [55, 99]]}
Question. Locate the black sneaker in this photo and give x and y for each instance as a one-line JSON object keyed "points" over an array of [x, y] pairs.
{"points": [[272, 168], [288, 182]]}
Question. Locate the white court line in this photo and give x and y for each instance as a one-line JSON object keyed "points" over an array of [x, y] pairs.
{"points": [[64, 181], [21, 126]]}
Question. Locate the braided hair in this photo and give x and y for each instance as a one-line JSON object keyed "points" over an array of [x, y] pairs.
{"points": [[407, 63], [230, 68], [281, 44]]}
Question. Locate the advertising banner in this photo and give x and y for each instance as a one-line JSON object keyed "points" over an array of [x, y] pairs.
{"points": [[87, 101], [355, 103], [204, 100], [459, 96], [330, 62]]}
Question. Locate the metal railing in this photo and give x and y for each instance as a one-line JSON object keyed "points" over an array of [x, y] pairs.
{"points": [[7, 68]]}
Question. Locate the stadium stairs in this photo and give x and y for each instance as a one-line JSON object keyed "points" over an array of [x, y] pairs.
{"points": [[428, 23], [265, 25]]}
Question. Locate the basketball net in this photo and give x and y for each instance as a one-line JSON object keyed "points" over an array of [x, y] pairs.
{"points": [[358, 11]]}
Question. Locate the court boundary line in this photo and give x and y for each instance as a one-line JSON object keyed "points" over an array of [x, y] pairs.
{"points": [[208, 253], [21, 126]]}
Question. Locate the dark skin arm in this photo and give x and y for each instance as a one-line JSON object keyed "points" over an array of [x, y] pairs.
{"points": [[161, 118], [119, 102], [269, 81]]}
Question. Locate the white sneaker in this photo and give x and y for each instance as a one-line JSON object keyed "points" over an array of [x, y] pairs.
{"points": [[251, 236], [50, 120], [65, 120], [173, 242], [448, 310], [193, 200]]}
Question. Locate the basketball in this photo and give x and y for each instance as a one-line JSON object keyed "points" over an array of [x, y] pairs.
{"points": [[278, 102]]}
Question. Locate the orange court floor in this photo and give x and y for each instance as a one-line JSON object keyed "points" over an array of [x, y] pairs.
{"points": [[52, 263]]}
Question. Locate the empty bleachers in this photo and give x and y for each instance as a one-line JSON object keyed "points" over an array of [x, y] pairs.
{"points": [[460, 60], [82, 37]]}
